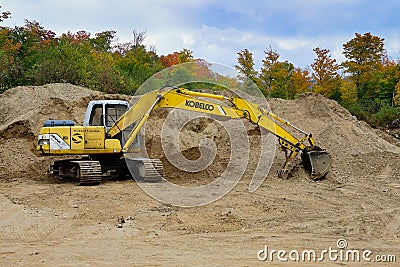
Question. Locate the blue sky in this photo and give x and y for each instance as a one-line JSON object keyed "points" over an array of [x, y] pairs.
{"points": [[215, 30]]}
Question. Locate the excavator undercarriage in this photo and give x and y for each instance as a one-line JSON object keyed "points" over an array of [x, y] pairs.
{"points": [[81, 172], [92, 172]]}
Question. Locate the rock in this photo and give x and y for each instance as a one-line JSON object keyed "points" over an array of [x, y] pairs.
{"points": [[121, 220]]}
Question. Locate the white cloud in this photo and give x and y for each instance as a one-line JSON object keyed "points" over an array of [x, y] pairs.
{"points": [[187, 40], [221, 45], [392, 44]]}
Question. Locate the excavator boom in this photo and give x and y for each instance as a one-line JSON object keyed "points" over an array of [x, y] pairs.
{"points": [[315, 160]]}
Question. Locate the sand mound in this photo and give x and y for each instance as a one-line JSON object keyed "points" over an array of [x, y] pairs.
{"points": [[336, 130], [24, 109], [35, 104]]}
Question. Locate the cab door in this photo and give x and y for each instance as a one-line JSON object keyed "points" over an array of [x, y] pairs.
{"points": [[95, 133]]}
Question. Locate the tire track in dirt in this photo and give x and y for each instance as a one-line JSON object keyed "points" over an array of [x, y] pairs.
{"points": [[20, 223]]}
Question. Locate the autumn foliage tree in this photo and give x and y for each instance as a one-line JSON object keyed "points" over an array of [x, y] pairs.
{"points": [[300, 82], [33, 55], [367, 82], [396, 98], [20, 48], [176, 58], [325, 73], [388, 77], [347, 91]]}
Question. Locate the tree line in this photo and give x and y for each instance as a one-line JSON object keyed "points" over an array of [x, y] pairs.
{"points": [[367, 82], [33, 55]]}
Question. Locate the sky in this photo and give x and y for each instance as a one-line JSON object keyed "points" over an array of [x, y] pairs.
{"points": [[215, 30]]}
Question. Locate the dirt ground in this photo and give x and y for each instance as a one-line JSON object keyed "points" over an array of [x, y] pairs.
{"points": [[47, 222]]}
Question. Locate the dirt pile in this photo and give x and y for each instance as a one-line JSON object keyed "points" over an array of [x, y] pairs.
{"points": [[35, 104], [184, 144], [350, 141]]}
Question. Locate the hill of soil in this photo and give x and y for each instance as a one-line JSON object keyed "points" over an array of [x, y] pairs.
{"points": [[47, 222]]}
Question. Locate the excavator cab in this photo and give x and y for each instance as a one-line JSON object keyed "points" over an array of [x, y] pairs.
{"points": [[106, 113]]}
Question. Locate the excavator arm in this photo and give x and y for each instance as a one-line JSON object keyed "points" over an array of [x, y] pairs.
{"points": [[315, 160]]}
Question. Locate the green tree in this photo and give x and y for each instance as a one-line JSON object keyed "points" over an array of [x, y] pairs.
{"points": [[135, 62], [282, 73], [268, 70], [275, 75], [102, 41], [364, 54], [245, 66], [67, 60], [34, 39], [137, 66], [185, 55]]}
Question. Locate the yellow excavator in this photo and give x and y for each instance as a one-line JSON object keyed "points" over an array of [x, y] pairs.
{"points": [[109, 140]]}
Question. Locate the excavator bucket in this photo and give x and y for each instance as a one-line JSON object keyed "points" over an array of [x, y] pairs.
{"points": [[317, 163]]}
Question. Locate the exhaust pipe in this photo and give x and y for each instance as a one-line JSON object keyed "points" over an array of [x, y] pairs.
{"points": [[316, 162]]}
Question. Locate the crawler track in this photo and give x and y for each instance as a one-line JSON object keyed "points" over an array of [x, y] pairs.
{"points": [[82, 172], [145, 169], [89, 172], [153, 170]]}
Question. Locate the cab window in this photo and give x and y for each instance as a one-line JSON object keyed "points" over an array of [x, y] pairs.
{"points": [[113, 112], [96, 117]]}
